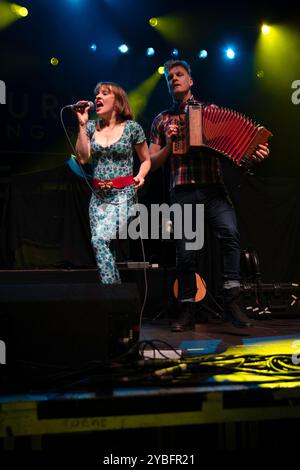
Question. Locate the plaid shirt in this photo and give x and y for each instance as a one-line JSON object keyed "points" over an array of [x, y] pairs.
{"points": [[201, 167]]}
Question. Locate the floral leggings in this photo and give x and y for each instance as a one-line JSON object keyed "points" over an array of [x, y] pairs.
{"points": [[109, 212]]}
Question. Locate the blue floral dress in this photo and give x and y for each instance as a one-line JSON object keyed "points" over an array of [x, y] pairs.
{"points": [[109, 208]]}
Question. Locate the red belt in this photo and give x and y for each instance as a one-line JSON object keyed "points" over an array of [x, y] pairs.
{"points": [[118, 183]]}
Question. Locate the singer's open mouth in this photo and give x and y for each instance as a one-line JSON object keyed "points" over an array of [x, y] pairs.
{"points": [[99, 104]]}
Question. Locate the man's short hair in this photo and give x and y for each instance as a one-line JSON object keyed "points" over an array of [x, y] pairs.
{"points": [[173, 63]]}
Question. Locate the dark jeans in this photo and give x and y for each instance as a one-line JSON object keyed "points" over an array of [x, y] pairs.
{"points": [[221, 217]]}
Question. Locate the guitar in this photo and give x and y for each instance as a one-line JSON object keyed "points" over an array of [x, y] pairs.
{"points": [[201, 288]]}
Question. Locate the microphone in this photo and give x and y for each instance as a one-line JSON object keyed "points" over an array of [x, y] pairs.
{"points": [[83, 105]]}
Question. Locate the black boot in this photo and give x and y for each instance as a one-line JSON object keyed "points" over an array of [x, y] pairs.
{"points": [[232, 311], [186, 319]]}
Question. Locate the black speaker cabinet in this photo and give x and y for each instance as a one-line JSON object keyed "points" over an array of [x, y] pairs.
{"points": [[68, 324]]}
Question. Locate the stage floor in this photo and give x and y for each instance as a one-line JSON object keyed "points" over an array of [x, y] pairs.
{"points": [[216, 336], [217, 375]]}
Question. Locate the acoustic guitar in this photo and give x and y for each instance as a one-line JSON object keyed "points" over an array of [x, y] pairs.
{"points": [[201, 288]]}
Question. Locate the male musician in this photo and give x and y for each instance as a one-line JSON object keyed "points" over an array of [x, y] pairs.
{"points": [[195, 178]]}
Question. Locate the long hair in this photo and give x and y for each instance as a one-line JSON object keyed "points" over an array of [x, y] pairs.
{"points": [[123, 110]]}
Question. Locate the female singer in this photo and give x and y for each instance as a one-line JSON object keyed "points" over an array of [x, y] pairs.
{"points": [[110, 143]]}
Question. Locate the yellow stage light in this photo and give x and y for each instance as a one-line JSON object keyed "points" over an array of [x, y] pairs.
{"points": [[161, 70], [265, 29], [23, 11], [277, 54], [153, 22], [139, 97], [177, 29], [54, 61], [18, 10], [10, 12]]}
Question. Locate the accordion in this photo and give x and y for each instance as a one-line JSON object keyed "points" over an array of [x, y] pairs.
{"points": [[220, 129]]}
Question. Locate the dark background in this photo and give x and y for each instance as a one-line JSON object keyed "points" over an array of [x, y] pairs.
{"points": [[44, 204]]}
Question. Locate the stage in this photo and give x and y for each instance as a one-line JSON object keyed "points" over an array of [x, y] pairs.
{"points": [[94, 369], [157, 389]]}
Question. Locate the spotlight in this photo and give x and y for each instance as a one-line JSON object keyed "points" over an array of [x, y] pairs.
{"points": [[93, 47], [153, 22], [161, 70], [230, 54], [174, 53], [150, 51], [202, 54], [23, 11], [123, 48], [18, 10], [53, 61], [265, 29]]}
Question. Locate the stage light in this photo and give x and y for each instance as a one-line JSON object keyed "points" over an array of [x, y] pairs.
{"points": [[230, 54], [150, 51], [139, 97], [23, 12], [265, 29], [174, 53], [10, 12], [93, 47], [123, 48], [18, 10], [161, 70], [153, 22], [202, 54], [177, 29], [277, 54], [54, 61]]}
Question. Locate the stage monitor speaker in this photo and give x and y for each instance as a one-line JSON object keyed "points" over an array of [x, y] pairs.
{"points": [[68, 324]]}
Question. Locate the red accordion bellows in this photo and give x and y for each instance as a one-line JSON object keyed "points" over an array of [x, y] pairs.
{"points": [[230, 133]]}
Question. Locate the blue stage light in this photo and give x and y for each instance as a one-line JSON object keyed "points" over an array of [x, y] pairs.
{"points": [[123, 48], [93, 47], [230, 53], [174, 53], [202, 54], [150, 51]]}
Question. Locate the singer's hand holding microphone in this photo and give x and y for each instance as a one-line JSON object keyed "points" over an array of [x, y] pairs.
{"points": [[81, 109]]}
